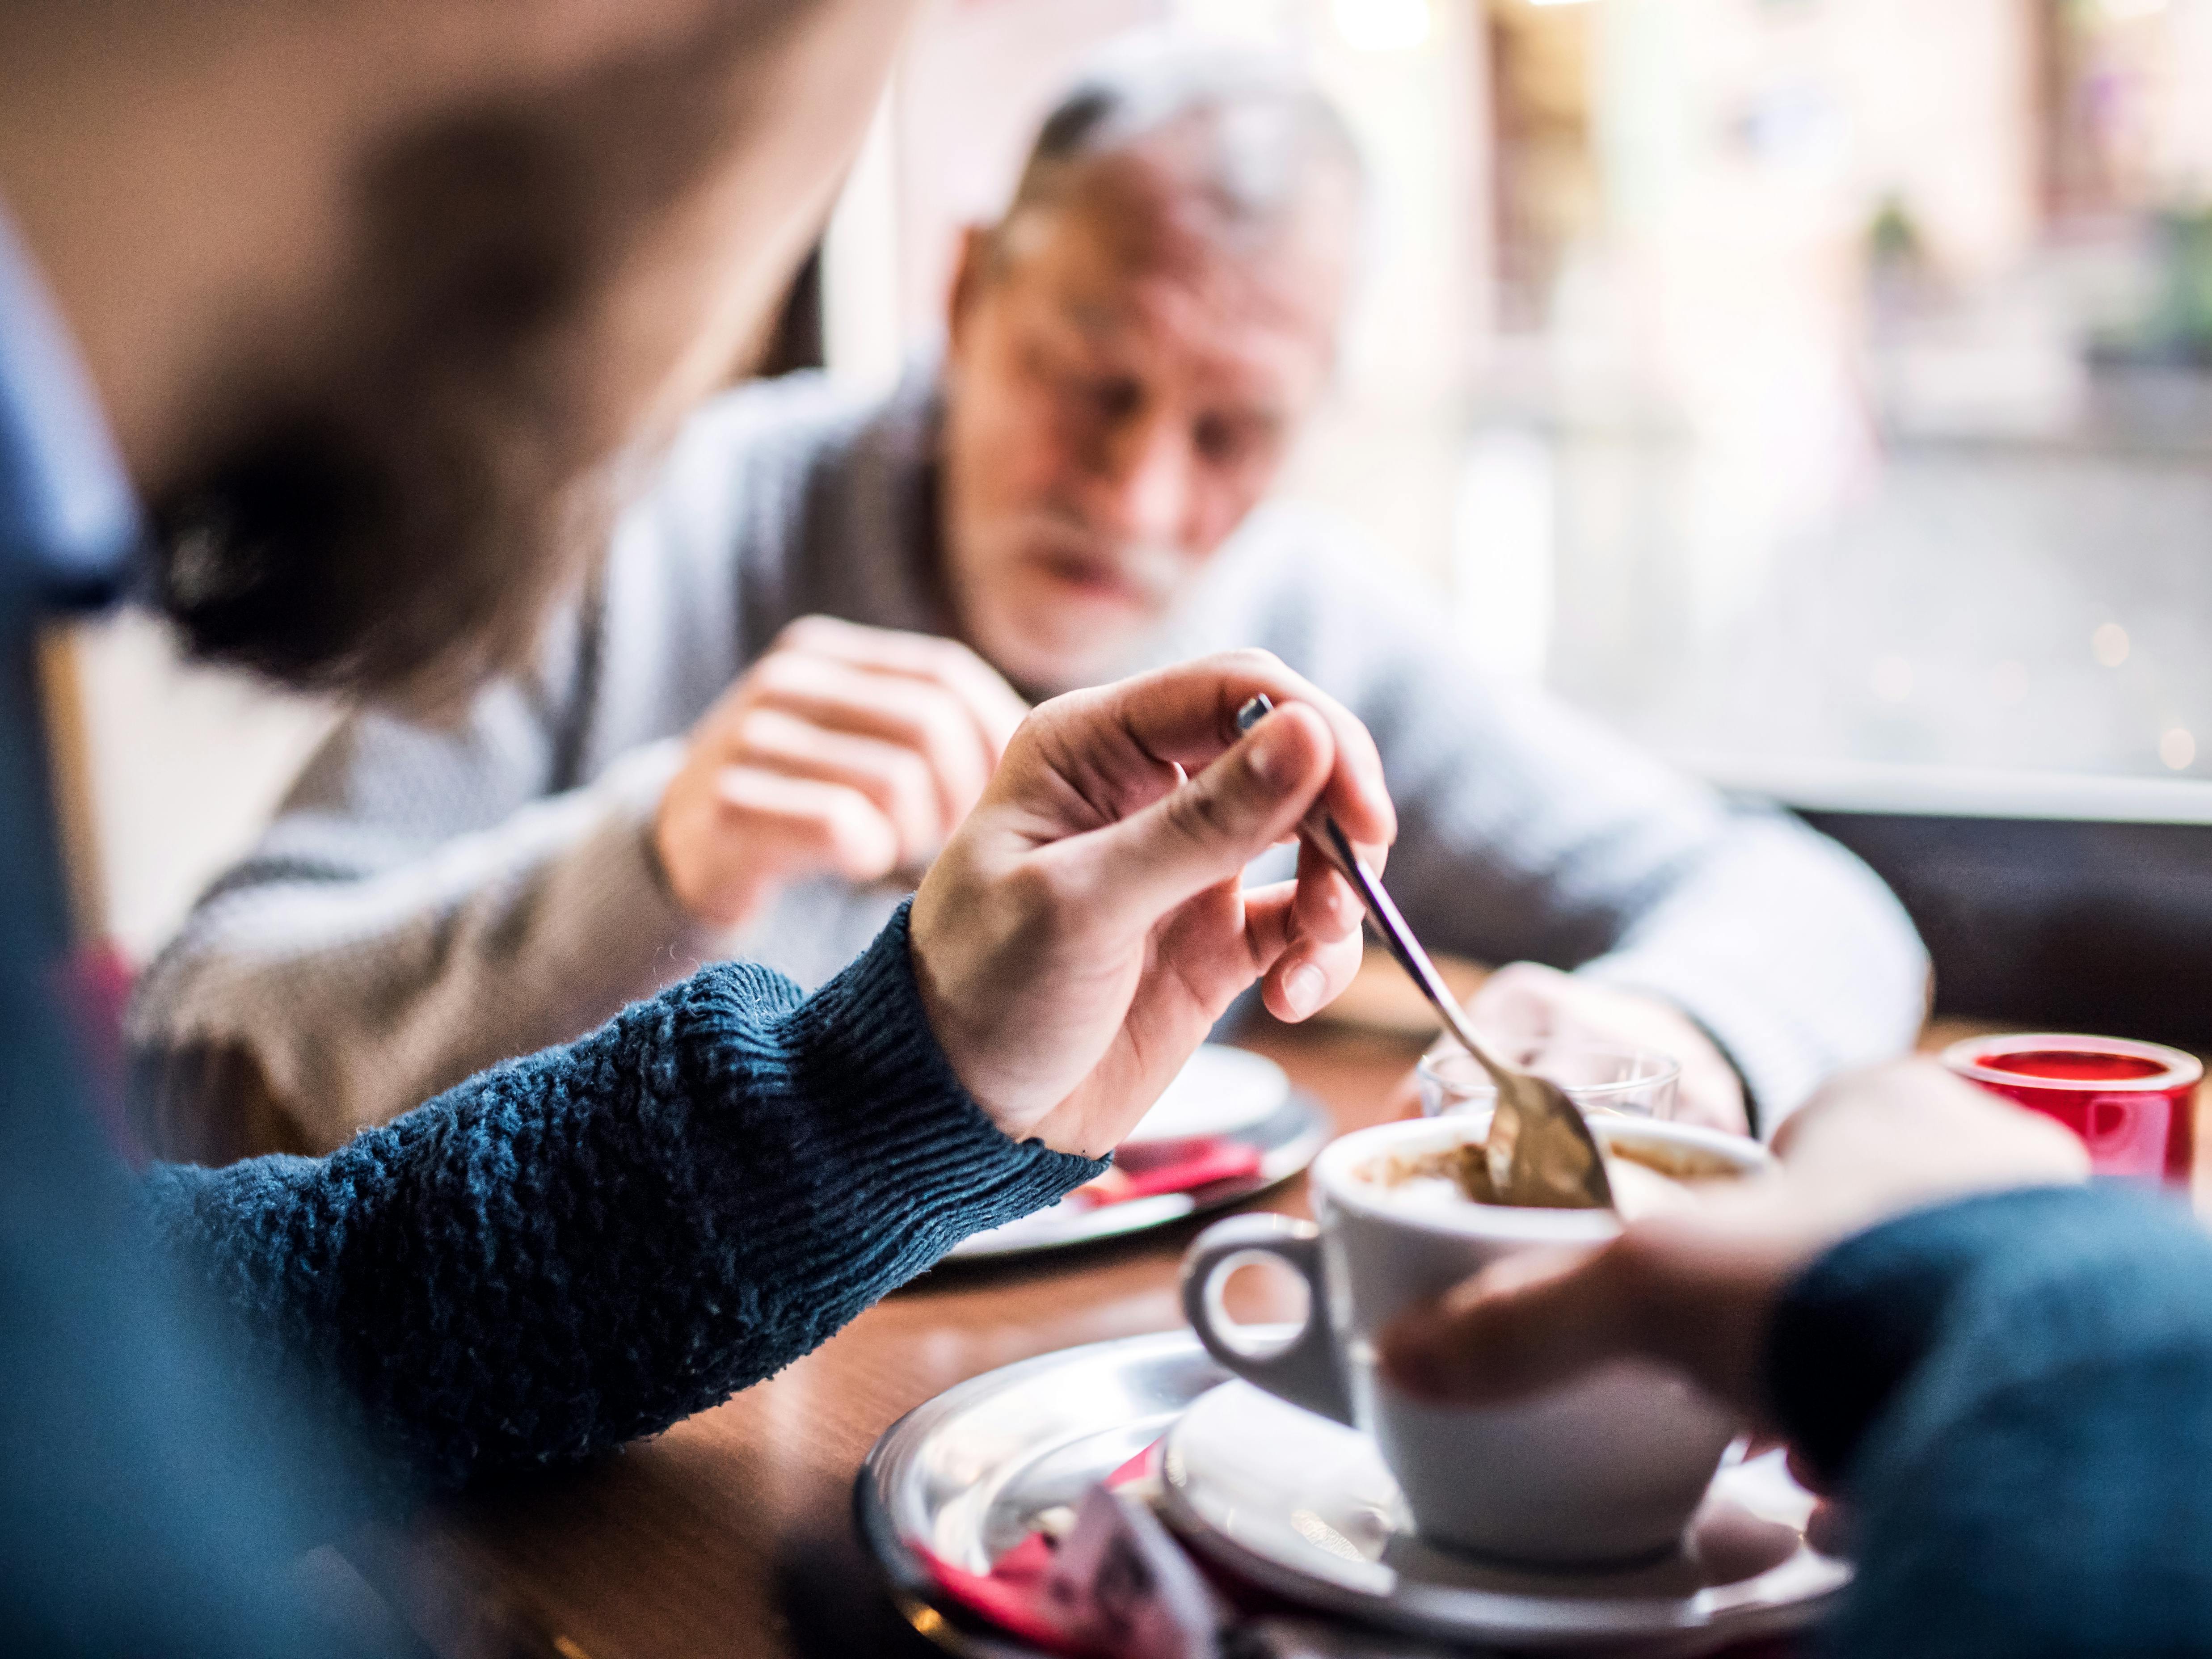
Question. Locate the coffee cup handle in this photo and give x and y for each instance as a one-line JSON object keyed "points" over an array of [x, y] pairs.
{"points": [[1307, 1372]]}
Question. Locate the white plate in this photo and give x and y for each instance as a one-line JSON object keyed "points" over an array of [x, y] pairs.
{"points": [[1219, 1091], [1304, 1507], [1287, 1140]]}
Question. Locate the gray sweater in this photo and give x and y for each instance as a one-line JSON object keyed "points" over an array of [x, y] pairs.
{"points": [[429, 902]]}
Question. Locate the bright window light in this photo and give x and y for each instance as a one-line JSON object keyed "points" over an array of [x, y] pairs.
{"points": [[1892, 679], [1382, 25]]}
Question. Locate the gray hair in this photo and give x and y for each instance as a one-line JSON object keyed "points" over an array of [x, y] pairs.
{"points": [[1266, 134]]}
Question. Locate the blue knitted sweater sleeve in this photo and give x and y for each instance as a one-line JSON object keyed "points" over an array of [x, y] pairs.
{"points": [[584, 1246], [2015, 1393]]}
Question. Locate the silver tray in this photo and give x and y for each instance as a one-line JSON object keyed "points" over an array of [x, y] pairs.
{"points": [[1287, 1138], [968, 1475]]}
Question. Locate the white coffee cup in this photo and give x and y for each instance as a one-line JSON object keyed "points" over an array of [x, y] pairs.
{"points": [[1609, 1468]]}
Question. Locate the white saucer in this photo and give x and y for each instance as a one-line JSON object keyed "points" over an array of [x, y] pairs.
{"points": [[1304, 1507], [1219, 1091]]}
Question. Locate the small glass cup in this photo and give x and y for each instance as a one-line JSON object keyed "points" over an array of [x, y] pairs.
{"points": [[1597, 1077], [2129, 1102]]}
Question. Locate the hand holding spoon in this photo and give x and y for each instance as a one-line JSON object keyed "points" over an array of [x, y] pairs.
{"points": [[1541, 1152]]}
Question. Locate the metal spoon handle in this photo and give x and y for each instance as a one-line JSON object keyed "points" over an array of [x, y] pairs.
{"points": [[1323, 832], [1390, 923]]}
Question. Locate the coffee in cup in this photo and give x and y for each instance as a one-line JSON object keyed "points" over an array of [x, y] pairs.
{"points": [[1607, 1469], [1647, 1179]]}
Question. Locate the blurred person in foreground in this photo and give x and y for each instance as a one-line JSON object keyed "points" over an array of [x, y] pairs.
{"points": [[373, 343], [817, 631], [2001, 1376], [218, 278]]}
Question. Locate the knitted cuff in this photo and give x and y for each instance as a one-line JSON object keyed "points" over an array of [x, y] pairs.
{"points": [[912, 1140]]}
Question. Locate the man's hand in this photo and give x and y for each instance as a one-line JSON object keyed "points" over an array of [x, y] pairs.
{"points": [[1527, 1002], [1540, 1004], [1698, 1289], [1085, 926], [846, 750]]}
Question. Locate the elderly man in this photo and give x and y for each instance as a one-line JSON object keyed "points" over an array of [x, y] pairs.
{"points": [[760, 723]]}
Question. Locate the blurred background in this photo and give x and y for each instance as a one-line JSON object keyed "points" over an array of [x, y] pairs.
{"points": [[1818, 390]]}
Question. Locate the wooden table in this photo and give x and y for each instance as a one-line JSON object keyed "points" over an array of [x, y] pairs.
{"points": [[732, 1534]]}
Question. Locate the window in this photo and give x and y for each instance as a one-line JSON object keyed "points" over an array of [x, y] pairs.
{"points": [[1821, 390]]}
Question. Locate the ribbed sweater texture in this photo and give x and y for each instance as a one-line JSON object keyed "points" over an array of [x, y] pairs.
{"points": [[585, 1245]]}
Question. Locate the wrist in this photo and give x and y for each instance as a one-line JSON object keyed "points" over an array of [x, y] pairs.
{"points": [[1710, 1068], [934, 979], [900, 1116]]}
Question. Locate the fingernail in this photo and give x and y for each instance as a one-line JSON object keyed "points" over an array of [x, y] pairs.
{"points": [[1303, 987], [1269, 752]]}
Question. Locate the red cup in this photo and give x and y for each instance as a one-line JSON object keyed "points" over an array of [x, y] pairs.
{"points": [[2129, 1102]]}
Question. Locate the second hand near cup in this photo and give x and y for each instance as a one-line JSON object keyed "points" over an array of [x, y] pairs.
{"points": [[1599, 1077]]}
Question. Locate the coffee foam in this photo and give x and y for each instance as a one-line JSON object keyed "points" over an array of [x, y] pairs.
{"points": [[1648, 1176]]}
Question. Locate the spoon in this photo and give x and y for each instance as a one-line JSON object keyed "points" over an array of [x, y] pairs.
{"points": [[1541, 1152]]}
